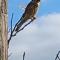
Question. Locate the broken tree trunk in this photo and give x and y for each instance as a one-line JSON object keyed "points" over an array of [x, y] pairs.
{"points": [[3, 30]]}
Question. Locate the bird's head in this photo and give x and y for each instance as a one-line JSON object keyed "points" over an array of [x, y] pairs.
{"points": [[36, 1]]}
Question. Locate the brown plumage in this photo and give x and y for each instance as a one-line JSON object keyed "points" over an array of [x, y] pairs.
{"points": [[29, 13]]}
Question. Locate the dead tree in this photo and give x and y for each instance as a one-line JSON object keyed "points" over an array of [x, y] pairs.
{"points": [[3, 30]]}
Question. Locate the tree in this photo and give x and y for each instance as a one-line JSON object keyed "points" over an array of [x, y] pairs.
{"points": [[3, 30]]}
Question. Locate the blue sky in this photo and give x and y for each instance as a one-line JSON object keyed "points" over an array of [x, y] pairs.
{"points": [[41, 39]]}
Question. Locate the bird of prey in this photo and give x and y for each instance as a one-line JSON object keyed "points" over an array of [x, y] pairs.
{"points": [[29, 13]]}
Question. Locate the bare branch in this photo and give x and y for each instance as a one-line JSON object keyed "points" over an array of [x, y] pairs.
{"points": [[57, 56], [11, 28]]}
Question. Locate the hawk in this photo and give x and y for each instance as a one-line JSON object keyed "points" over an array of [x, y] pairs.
{"points": [[29, 13]]}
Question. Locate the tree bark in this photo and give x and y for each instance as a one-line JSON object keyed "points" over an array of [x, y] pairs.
{"points": [[3, 30]]}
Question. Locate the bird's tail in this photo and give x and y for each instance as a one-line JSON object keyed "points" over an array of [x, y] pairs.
{"points": [[20, 23]]}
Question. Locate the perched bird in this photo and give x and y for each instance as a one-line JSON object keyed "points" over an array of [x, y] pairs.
{"points": [[29, 13]]}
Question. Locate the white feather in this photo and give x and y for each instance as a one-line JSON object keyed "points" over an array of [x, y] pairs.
{"points": [[38, 3]]}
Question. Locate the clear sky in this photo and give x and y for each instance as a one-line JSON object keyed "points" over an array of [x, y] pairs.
{"points": [[41, 39]]}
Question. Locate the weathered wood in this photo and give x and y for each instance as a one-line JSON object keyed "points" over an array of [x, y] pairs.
{"points": [[0, 34], [3, 30]]}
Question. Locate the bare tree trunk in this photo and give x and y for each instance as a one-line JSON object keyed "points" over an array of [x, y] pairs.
{"points": [[3, 30]]}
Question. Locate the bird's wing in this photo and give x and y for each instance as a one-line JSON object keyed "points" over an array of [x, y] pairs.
{"points": [[30, 10]]}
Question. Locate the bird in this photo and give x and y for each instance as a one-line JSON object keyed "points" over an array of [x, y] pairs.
{"points": [[29, 13]]}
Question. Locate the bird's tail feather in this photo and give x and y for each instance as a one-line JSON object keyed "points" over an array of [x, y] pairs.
{"points": [[20, 23]]}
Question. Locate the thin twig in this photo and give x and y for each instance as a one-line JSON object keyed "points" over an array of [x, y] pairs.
{"points": [[11, 27], [57, 56], [12, 30]]}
